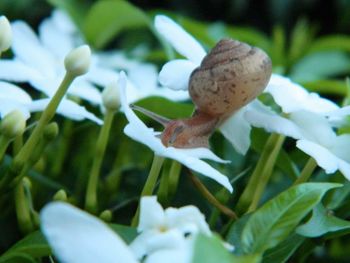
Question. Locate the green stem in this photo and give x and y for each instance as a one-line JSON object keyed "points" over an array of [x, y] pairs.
{"points": [[163, 189], [266, 172], [23, 210], [17, 144], [174, 176], [150, 184], [306, 172], [26, 151], [101, 145], [210, 198], [4, 143], [273, 144]]}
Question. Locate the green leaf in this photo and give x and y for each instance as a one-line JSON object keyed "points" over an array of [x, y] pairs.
{"points": [[127, 233], [283, 251], [211, 250], [320, 65], [331, 43], [235, 233], [106, 19], [277, 218], [33, 245], [335, 87], [323, 222]]}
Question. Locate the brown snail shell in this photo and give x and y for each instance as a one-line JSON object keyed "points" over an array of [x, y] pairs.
{"points": [[229, 77]]}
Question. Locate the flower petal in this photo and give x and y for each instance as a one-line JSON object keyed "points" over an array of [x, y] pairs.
{"points": [[324, 158], [76, 236], [262, 116], [8, 105], [293, 97], [138, 131], [341, 147], [236, 130], [86, 91], [151, 213], [176, 74], [182, 41], [66, 108], [12, 92], [17, 71]]}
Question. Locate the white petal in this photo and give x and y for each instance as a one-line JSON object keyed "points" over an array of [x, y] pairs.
{"points": [[151, 213], [12, 92], [55, 40], [29, 50], [76, 236], [324, 158], [8, 105], [138, 131], [293, 97], [17, 71], [338, 117], [341, 147], [262, 116], [314, 127], [145, 77], [183, 42], [63, 21], [176, 74], [66, 108], [86, 91], [101, 76]]}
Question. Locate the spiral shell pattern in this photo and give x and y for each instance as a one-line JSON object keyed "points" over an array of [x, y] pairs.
{"points": [[229, 77]]}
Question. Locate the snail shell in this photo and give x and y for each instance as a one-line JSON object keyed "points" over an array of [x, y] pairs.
{"points": [[229, 77]]}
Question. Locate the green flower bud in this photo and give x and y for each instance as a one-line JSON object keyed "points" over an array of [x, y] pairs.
{"points": [[77, 62], [111, 97], [60, 195], [51, 131], [106, 216], [5, 34], [13, 124]]}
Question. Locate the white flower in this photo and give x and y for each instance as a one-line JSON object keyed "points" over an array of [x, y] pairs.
{"points": [[176, 73], [169, 229], [166, 235], [138, 131], [15, 98], [77, 61], [309, 121]]}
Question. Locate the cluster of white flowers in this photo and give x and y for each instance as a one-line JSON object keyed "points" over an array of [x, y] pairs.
{"points": [[76, 236]]}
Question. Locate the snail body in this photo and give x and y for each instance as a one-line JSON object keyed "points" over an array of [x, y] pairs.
{"points": [[230, 76]]}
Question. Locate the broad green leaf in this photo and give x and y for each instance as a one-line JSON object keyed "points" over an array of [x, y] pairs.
{"points": [[17, 258], [283, 251], [324, 86], [106, 19], [331, 43], [127, 233], [279, 45], [320, 65], [76, 9], [235, 233], [33, 245], [277, 218], [212, 250], [323, 222]]}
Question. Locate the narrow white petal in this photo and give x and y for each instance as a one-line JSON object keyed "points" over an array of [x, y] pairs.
{"points": [[341, 147], [176, 74], [138, 131], [293, 97], [30, 51], [314, 127], [262, 116], [8, 105], [75, 236], [17, 71], [182, 41], [63, 21], [324, 158], [67, 108], [86, 91], [13, 92], [236, 130], [151, 213]]}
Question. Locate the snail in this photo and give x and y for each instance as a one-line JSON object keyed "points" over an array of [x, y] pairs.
{"points": [[231, 75]]}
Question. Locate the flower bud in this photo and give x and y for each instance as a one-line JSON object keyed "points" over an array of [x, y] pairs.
{"points": [[51, 131], [106, 216], [77, 62], [60, 195], [111, 96], [13, 124], [5, 34]]}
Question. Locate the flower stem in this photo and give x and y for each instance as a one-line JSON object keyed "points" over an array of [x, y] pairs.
{"points": [[22, 209], [4, 143], [306, 172], [150, 184], [91, 193], [210, 198], [26, 151], [261, 174], [174, 176]]}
